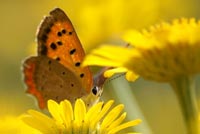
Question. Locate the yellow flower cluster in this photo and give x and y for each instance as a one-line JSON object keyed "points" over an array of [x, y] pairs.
{"points": [[99, 119], [162, 53]]}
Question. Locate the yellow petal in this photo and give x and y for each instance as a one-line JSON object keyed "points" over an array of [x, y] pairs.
{"points": [[79, 111], [92, 114], [99, 61], [117, 121], [114, 56], [111, 72], [54, 109], [36, 124], [111, 51], [111, 116], [131, 76], [67, 114], [104, 110], [135, 38], [39, 121], [39, 116], [125, 125]]}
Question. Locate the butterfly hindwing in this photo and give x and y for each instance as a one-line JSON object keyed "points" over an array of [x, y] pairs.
{"points": [[48, 79], [57, 39]]}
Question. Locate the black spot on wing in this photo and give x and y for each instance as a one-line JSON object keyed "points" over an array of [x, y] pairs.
{"points": [[59, 43], [63, 31], [72, 85], [77, 64], [53, 46], [72, 51], [58, 58], [82, 75], [59, 34]]}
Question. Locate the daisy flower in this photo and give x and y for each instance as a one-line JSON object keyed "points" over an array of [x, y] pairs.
{"points": [[168, 52], [99, 119], [162, 53]]}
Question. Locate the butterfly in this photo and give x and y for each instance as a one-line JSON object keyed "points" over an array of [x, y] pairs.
{"points": [[56, 72]]}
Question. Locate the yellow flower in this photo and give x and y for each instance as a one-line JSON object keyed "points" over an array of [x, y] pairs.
{"points": [[160, 54], [13, 125], [165, 53], [66, 120]]}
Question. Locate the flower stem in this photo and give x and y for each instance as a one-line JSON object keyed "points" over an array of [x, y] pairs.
{"points": [[184, 87]]}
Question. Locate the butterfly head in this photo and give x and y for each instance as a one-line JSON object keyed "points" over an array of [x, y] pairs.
{"points": [[96, 90]]}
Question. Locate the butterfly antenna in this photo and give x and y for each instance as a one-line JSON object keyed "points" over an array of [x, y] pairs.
{"points": [[99, 79], [115, 77]]}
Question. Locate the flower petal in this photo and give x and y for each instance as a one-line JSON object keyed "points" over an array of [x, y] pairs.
{"points": [[39, 121], [91, 116], [125, 125], [117, 122], [103, 111], [111, 116], [111, 72], [67, 114], [79, 111], [109, 56], [79, 121], [99, 61], [54, 109], [131, 76]]}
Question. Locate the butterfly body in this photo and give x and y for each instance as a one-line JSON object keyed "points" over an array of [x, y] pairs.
{"points": [[56, 72]]}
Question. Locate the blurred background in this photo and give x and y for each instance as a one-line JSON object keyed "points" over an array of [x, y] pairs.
{"points": [[96, 22]]}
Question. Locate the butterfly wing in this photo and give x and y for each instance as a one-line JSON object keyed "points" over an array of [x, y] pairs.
{"points": [[57, 39], [47, 79]]}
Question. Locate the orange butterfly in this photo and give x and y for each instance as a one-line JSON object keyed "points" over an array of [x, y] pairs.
{"points": [[56, 72]]}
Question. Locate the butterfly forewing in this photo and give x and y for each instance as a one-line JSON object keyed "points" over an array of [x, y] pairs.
{"points": [[57, 40]]}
